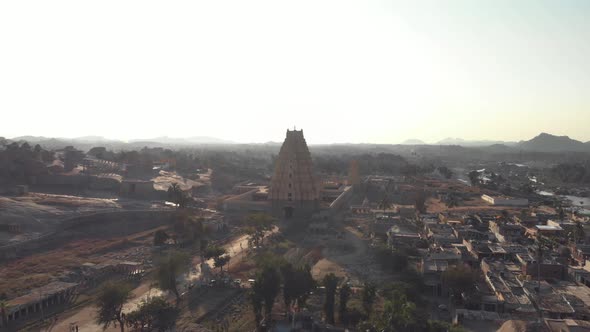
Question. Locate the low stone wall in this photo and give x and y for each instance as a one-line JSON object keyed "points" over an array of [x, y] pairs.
{"points": [[78, 181]]}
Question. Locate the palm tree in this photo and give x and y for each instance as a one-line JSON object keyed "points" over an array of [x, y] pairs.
{"points": [[344, 297], [524, 214], [3, 312], [561, 213], [331, 283], [399, 312], [579, 232], [368, 296], [505, 215], [452, 201], [389, 185], [384, 204], [176, 195], [474, 178], [220, 261]]}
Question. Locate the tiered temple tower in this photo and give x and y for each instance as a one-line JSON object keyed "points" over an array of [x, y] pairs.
{"points": [[354, 178], [294, 191]]}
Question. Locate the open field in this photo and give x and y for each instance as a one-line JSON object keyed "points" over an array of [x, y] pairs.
{"points": [[19, 275]]}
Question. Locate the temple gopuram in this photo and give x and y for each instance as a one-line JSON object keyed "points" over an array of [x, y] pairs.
{"points": [[294, 190]]}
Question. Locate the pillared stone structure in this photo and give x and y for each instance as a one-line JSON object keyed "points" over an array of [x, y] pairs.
{"points": [[294, 190]]}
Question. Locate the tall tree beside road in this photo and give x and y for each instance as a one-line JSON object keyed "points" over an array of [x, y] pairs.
{"points": [[169, 269], [267, 286], [111, 298], [331, 284], [289, 284], [220, 262], [257, 301], [153, 313], [420, 202], [445, 171], [384, 204], [214, 252], [187, 228], [297, 283], [256, 225], [344, 297], [368, 296], [177, 196], [579, 234], [3, 310], [160, 237], [399, 314], [474, 178]]}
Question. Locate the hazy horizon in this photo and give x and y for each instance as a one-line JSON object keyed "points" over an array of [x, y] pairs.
{"points": [[222, 140], [345, 72]]}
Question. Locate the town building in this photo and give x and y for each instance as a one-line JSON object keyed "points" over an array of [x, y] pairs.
{"points": [[506, 232], [137, 188], [505, 200]]}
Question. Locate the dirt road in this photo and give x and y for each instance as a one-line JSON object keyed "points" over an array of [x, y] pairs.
{"points": [[84, 317]]}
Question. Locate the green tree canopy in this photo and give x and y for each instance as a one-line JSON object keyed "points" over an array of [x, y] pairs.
{"points": [[169, 269], [474, 178], [460, 279], [368, 296], [391, 260], [256, 226], [297, 283], [221, 261], [345, 292], [177, 196], [160, 237], [111, 298], [330, 282], [3, 312], [214, 251], [267, 286], [153, 313]]}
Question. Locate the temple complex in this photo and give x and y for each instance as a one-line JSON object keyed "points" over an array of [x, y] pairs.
{"points": [[294, 190]]}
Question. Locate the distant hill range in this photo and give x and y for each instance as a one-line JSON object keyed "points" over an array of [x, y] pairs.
{"points": [[466, 143], [88, 142], [184, 141], [413, 141], [541, 143], [551, 143]]}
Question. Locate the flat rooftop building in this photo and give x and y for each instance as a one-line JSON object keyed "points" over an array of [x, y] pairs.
{"points": [[505, 201]]}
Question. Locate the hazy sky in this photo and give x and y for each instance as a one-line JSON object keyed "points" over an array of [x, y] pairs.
{"points": [[344, 71]]}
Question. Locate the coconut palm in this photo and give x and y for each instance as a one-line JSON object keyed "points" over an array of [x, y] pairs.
{"points": [[4, 312], [384, 204], [176, 195], [579, 234]]}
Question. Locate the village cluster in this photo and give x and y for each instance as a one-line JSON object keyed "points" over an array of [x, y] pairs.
{"points": [[218, 240]]}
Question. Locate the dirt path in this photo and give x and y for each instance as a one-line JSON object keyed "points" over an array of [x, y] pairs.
{"points": [[85, 316]]}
